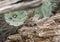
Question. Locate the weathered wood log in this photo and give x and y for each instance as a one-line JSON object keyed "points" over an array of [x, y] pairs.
{"points": [[20, 6]]}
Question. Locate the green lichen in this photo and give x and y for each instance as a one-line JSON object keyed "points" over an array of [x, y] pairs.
{"points": [[15, 18]]}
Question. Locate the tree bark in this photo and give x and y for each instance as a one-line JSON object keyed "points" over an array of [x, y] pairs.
{"points": [[20, 6]]}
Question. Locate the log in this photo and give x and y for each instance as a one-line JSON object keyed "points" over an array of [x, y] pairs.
{"points": [[20, 6]]}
